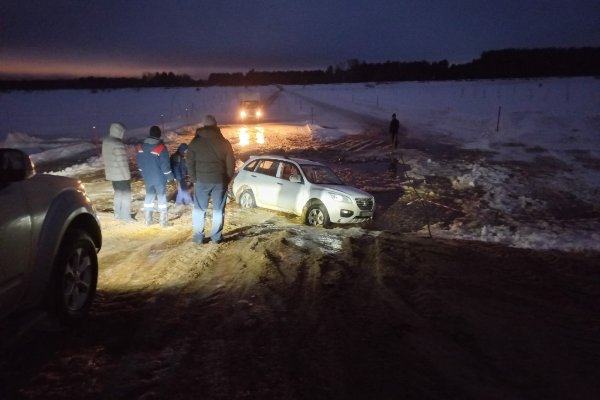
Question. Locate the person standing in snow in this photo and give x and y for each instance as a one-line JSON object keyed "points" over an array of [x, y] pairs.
{"points": [[153, 163], [394, 128], [181, 175], [116, 170], [211, 163]]}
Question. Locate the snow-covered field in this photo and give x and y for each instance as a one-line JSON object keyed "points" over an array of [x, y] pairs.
{"points": [[281, 310], [549, 127]]}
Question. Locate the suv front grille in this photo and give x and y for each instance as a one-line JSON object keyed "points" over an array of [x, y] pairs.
{"points": [[364, 203]]}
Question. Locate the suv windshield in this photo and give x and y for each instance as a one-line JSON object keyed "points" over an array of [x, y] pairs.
{"points": [[321, 174], [250, 104]]}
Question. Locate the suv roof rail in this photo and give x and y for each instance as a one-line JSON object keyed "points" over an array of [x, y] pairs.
{"points": [[269, 155]]}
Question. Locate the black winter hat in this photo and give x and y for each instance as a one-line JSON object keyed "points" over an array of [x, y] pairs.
{"points": [[155, 132]]}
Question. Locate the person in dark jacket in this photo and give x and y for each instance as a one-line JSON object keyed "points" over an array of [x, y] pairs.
{"points": [[394, 128], [153, 163], [181, 175], [210, 162], [116, 169]]}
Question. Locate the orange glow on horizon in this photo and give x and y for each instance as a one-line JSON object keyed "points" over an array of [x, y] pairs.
{"points": [[44, 68]]}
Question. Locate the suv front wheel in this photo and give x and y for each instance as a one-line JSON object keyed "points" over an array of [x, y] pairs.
{"points": [[73, 283], [316, 214]]}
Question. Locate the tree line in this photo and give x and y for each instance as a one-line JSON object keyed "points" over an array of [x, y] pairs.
{"points": [[495, 64]]}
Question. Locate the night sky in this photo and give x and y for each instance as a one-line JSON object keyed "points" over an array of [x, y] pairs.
{"points": [[59, 38]]}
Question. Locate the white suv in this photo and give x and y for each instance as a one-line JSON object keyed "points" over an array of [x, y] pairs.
{"points": [[301, 187]]}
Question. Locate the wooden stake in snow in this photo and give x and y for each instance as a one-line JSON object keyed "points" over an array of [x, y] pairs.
{"points": [[498, 121]]}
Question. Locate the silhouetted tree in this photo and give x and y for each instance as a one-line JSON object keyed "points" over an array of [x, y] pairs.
{"points": [[495, 64]]}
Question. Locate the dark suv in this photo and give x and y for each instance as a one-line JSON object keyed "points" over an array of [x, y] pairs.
{"points": [[49, 239]]}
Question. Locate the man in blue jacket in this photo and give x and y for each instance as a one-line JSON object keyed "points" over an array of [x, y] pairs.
{"points": [[153, 163]]}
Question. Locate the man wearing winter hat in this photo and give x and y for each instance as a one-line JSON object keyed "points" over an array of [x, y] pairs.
{"points": [[210, 162], [116, 169], [153, 163]]}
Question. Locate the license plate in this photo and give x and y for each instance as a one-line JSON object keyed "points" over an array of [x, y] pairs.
{"points": [[365, 214]]}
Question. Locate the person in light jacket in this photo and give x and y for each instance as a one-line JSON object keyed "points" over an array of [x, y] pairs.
{"points": [[116, 169], [211, 164], [153, 163]]}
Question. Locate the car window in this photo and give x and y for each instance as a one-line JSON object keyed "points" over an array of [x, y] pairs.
{"points": [[268, 167], [251, 165], [321, 174], [12, 165], [288, 170], [11, 161]]}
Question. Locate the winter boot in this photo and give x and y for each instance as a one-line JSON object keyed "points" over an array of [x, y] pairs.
{"points": [[148, 217], [164, 219]]}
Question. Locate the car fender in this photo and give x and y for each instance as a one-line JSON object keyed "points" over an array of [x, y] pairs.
{"points": [[319, 194], [70, 209], [309, 203]]}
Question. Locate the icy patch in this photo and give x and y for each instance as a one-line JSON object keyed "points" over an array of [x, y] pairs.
{"points": [[65, 152], [93, 164], [544, 235], [20, 140], [330, 133]]}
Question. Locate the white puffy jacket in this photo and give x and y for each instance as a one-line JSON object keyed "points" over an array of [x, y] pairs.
{"points": [[114, 153]]}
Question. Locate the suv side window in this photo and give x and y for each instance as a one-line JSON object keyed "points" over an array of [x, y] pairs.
{"points": [[288, 170], [268, 167], [251, 166]]}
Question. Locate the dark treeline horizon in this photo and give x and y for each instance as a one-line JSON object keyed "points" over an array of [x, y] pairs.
{"points": [[495, 64]]}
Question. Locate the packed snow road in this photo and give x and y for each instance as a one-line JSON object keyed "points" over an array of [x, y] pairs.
{"points": [[281, 310]]}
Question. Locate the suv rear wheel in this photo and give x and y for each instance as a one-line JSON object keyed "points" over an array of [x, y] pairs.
{"points": [[247, 199]]}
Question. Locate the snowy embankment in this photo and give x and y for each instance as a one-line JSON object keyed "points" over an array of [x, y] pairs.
{"points": [[541, 140]]}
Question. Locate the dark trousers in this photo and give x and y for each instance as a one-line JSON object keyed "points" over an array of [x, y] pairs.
{"points": [[122, 199]]}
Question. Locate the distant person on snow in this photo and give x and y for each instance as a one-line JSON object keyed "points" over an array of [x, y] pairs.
{"points": [[181, 175], [211, 164], [394, 128], [116, 169], [153, 163]]}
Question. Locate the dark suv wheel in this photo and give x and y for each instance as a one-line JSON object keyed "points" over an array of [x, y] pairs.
{"points": [[75, 276]]}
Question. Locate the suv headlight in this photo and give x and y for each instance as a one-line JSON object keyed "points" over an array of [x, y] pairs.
{"points": [[340, 197]]}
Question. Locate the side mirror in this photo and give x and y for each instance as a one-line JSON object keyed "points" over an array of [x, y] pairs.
{"points": [[295, 178], [15, 166]]}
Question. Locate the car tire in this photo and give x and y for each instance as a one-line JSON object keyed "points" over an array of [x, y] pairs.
{"points": [[316, 214], [247, 199], [74, 279]]}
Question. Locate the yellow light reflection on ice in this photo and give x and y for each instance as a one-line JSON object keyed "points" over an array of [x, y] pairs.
{"points": [[260, 135], [244, 136]]}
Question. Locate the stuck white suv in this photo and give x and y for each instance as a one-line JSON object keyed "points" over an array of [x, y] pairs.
{"points": [[301, 187], [49, 239]]}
